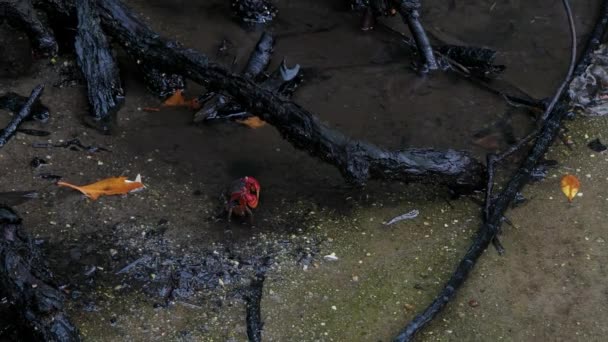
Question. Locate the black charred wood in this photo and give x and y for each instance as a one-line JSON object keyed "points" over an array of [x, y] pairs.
{"points": [[99, 68], [357, 161], [19, 117], [13, 102], [27, 283], [21, 14]]}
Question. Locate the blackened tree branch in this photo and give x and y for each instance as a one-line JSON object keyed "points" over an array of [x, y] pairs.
{"points": [[23, 114], [487, 232]]}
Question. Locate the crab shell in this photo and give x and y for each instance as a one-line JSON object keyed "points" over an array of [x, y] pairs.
{"points": [[243, 192]]}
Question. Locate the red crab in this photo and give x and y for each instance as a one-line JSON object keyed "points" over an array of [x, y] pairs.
{"points": [[242, 196]]}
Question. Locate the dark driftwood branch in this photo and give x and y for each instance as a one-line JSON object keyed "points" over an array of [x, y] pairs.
{"points": [[357, 161], [18, 118], [13, 102], [410, 11], [26, 282], [98, 66], [21, 14], [491, 225]]}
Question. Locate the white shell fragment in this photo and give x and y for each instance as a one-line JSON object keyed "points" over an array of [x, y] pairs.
{"points": [[408, 216], [331, 257]]}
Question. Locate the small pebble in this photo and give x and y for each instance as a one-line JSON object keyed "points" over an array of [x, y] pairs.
{"points": [[473, 303]]}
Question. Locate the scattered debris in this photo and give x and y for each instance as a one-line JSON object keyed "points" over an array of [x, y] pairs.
{"points": [[37, 162], [518, 200], [253, 12], [73, 144], [109, 186], [473, 303], [597, 146], [589, 90], [50, 176], [407, 216], [570, 186], [541, 170]]}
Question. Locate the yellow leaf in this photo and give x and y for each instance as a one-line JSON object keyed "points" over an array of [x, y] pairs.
{"points": [[570, 185], [108, 186]]}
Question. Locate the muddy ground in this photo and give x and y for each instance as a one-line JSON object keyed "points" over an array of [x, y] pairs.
{"points": [[192, 271]]}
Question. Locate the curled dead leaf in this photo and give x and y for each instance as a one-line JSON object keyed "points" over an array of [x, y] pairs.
{"points": [[252, 122], [570, 186]]}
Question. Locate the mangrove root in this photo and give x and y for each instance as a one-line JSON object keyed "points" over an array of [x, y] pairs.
{"points": [[36, 304], [495, 208]]}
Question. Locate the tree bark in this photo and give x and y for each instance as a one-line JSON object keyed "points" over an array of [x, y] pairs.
{"points": [[97, 63]]}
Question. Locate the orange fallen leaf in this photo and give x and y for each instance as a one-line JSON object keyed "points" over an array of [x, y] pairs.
{"points": [[570, 185], [176, 100], [108, 186], [252, 122]]}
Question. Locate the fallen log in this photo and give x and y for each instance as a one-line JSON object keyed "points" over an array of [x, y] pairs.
{"points": [[357, 161], [21, 14], [26, 282], [496, 208], [98, 66], [7, 132]]}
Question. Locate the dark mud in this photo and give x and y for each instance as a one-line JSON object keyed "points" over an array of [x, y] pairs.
{"points": [[178, 254]]}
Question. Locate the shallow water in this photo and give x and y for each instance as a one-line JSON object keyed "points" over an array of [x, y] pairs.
{"points": [[363, 85]]}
